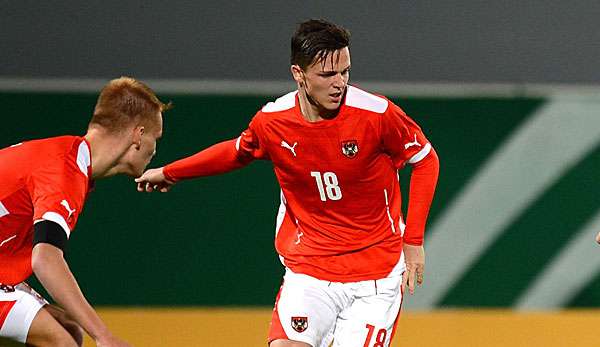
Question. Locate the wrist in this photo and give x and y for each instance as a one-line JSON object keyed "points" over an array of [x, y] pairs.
{"points": [[167, 175]]}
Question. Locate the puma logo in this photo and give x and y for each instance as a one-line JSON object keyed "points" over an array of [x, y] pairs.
{"points": [[291, 148], [415, 143], [65, 204]]}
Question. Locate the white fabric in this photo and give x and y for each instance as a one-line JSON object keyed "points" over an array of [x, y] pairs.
{"points": [[3, 210], [340, 312], [420, 155], [19, 319], [365, 101], [281, 104], [83, 157]]}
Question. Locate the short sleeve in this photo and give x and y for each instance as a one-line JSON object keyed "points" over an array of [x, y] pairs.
{"points": [[402, 138], [58, 194]]}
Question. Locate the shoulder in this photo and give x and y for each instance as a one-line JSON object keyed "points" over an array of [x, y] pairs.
{"points": [[62, 153], [283, 103], [366, 101], [281, 109]]}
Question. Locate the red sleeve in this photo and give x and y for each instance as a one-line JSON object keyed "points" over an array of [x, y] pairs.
{"points": [[402, 138], [423, 181], [405, 142], [220, 158], [58, 194]]}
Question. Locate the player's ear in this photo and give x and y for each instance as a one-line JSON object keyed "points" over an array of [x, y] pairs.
{"points": [[297, 73], [138, 132]]}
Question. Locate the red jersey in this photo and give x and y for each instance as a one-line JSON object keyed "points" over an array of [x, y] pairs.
{"points": [[46, 179], [340, 216]]}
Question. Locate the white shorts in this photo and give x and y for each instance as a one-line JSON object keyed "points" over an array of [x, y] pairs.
{"points": [[350, 314], [17, 311]]}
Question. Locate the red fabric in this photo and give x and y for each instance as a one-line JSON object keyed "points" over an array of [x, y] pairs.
{"points": [[37, 177], [423, 181], [217, 159], [5, 307], [341, 203]]}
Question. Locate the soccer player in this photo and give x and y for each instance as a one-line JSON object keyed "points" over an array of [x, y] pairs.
{"points": [[44, 187], [336, 150]]}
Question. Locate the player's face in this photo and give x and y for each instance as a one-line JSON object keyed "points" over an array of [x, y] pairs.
{"points": [[325, 81], [141, 157]]}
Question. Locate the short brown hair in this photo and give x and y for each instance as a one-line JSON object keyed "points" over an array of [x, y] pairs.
{"points": [[315, 39], [124, 100]]}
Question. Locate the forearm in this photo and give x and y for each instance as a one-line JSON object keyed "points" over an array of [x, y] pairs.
{"points": [[423, 181], [54, 274], [217, 159]]}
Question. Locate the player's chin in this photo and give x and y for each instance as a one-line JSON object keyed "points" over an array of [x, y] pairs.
{"points": [[332, 105], [135, 170]]}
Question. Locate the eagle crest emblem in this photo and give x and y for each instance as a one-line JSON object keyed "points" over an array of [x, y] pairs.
{"points": [[350, 148], [300, 323]]}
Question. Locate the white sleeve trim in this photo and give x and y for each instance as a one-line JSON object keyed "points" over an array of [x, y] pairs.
{"points": [[3, 210], [83, 157], [237, 143], [58, 219], [419, 156]]}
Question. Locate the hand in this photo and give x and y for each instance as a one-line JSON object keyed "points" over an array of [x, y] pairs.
{"points": [[414, 257], [598, 237], [111, 341], [153, 179]]}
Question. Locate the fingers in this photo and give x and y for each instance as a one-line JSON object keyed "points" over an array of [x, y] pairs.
{"points": [[145, 186], [420, 278], [411, 282], [408, 279]]}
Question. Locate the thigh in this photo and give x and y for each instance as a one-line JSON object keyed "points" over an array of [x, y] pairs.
{"points": [[45, 330], [305, 310], [70, 325], [371, 318], [18, 309]]}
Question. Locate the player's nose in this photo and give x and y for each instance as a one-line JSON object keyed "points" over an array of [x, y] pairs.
{"points": [[339, 81]]}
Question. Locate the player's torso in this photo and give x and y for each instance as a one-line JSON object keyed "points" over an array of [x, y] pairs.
{"points": [[334, 174], [18, 164], [340, 162]]}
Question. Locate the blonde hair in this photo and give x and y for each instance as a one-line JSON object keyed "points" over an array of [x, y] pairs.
{"points": [[123, 101]]}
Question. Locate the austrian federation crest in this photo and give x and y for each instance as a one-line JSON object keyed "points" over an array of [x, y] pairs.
{"points": [[299, 323], [350, 148]]}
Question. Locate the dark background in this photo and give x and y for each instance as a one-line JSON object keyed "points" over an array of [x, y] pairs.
{"points": [[457, 41]]}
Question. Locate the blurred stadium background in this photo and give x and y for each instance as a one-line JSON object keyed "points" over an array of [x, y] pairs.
{"points": [[509, 94]]}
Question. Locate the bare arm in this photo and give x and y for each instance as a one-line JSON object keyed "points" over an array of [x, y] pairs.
{"points": [[53, 272]]}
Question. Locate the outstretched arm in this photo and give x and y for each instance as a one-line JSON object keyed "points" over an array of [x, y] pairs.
{"points": [[54, 274], [218, 159]]}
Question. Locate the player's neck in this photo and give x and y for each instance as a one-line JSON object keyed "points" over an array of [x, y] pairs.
{"points": [[105, 151], [311, 110]]}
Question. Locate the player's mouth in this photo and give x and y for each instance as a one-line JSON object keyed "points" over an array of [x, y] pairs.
{"points": [[336, 97]]}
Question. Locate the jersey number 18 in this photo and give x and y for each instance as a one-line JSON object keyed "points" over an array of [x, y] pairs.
{"points": [[327, 184]]}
